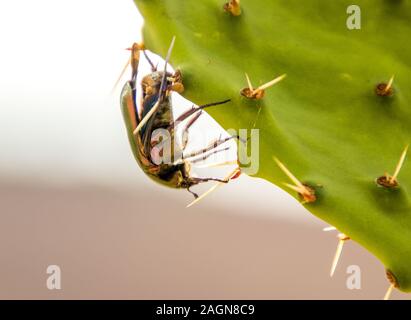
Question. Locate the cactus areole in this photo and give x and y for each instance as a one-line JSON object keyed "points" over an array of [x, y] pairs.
{"points": [[337, 121]]}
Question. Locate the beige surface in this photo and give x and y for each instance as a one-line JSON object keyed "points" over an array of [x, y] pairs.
{"points": [[113, 245]]}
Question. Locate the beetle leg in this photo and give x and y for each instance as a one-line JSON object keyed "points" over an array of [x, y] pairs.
{"points": [[232, 175], [186, 128], [153, 67], [196, 180], [213, 145], [204, 157], [193, 110], [192, 192]]}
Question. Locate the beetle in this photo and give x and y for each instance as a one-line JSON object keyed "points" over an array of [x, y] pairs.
{"points": [[157, 113]]}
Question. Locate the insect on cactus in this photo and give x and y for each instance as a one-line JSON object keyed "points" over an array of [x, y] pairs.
{"points": [[338, 121], [155, 113]]}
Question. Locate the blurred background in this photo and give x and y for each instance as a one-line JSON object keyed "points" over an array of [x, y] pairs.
{"points": [[72, 195]]}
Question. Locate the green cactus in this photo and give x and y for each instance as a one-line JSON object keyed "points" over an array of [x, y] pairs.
{"points": [[329, 122]]}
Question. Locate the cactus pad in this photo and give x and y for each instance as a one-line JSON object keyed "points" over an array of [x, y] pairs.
{"points": [[330, 121]]}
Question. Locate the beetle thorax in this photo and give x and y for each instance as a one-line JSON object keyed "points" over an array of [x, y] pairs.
{"points": [[151, 83]]}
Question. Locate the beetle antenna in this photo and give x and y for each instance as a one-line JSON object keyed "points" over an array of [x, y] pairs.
{"points": [[214, 187], [193, 193]]}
